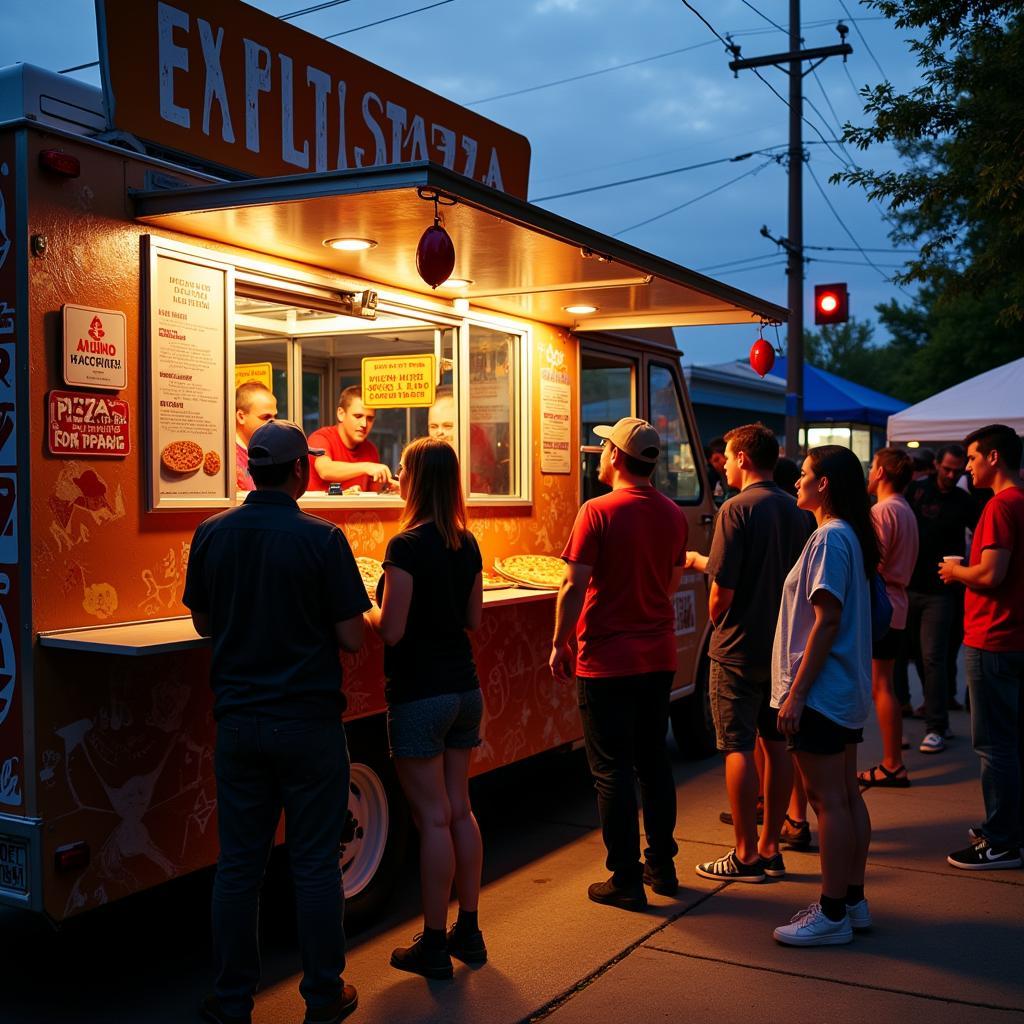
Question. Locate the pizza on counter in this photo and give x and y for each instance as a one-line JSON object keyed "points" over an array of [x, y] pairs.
{"points": [[492, 581], [370, 570], [542, 572]]}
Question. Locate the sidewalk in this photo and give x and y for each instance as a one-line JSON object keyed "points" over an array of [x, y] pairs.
{"points": [[946, 943]]}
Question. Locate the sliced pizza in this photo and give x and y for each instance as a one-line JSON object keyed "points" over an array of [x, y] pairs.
{"points": [[492, 581]]}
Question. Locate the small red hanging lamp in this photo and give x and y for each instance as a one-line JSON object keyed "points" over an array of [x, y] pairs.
{"points": [[435, 251], [762, 356]]}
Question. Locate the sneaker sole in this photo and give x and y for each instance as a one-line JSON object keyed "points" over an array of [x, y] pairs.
{"points": [[775, 872], [1000, 865], [755, 879], [932, 750], [818, 940], [433, 973]]}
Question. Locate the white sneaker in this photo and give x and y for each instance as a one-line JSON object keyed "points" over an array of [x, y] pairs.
{"points": [[932, 743], [859, 915], [811, 927]]}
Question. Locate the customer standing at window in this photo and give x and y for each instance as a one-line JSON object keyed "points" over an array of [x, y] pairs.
{"points": [[430, 595], [821, 684]]}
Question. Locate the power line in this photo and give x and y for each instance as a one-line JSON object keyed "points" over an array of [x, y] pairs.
{"points": [[847, 248], [760, 14], [711, 27], [690, 202], [854, 263], [588, 74], [656, 174], [312, 10], [736, 263], [743, 270], [382, 21], [865, 42]]}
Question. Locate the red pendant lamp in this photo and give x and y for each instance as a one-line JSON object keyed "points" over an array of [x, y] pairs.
{"points": [[762, 357], [435, 251]]}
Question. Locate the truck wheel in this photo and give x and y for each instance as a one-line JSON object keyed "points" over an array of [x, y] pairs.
{"points": [[377, 830], [692, 724]]}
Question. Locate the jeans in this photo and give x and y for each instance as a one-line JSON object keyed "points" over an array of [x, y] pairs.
{"points": [[625, 719], [264, 766], [995, 680], [929, 622]]}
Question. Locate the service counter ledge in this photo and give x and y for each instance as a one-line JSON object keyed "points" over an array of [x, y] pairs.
{"points": [[164, 636]]}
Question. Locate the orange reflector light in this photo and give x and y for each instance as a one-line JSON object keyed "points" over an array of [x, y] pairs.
{"points": [[64, 164], [71, 856]]}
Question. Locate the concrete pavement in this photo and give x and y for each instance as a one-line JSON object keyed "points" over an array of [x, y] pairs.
{"points": [[946, 943]]}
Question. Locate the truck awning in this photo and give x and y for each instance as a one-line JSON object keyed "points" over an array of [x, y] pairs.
{"points": [[521, 260]]}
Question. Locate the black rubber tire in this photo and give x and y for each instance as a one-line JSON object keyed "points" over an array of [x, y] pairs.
{"points": [[371, 764], [692, 725]]}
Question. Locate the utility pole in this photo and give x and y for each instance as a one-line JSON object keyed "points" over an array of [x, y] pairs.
{"points": [[792, 63]]}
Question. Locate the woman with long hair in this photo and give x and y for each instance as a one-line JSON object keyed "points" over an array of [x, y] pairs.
{"points": [[431, 593], [821, 684]]}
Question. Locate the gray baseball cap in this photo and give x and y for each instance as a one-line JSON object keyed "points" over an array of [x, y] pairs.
{"points": [[635, 437], [278, 442]]}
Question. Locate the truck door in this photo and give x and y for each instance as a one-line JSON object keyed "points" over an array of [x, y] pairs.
{"points": [[609, 381]]}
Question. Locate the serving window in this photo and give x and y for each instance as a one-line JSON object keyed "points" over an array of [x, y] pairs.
{"points": [[315, 355]]}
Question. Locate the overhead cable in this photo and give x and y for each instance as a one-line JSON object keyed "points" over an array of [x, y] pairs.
{"points": [[394, 17], [871, 54]]}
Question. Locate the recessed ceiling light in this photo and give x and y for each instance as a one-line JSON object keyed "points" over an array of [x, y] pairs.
{"points": [[456, 282], [350, 244], [580, 310]]}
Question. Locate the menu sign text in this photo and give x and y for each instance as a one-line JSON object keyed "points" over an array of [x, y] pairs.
{"points": [[390, 382], [189, 365], [555, 421], [94, 348]]}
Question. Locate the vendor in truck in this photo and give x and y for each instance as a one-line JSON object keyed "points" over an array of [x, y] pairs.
{"points": [[485, 474], [255, 405], [349, 458]]}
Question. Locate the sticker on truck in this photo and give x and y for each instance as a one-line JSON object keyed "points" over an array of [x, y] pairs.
{"points": [[13, 865]]}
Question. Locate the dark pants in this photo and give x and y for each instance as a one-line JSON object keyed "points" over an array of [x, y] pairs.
{"points": [[929, 621], [995, 681], [625, 719], [264, 766]]}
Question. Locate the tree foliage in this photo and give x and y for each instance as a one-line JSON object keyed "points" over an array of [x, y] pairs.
{"points": [[960, 195]]}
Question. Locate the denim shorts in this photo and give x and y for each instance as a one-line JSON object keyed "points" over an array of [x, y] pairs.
{"points": [[427, 727], [741, 709]]}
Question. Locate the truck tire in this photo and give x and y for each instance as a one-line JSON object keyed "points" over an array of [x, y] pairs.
{"points": [[692, 724], [375, 840]]}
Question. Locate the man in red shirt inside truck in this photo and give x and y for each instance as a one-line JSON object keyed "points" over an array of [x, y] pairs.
{"points": [[624, 560], [994, 643], [349, 458]]}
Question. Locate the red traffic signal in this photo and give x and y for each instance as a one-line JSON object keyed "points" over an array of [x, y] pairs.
{"points": [[831, 304]]}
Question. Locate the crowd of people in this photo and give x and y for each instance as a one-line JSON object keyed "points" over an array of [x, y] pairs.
{"points": [[812, 600]]}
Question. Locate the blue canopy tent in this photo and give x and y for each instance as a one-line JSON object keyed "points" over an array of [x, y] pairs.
{"points": [[837, 411]]}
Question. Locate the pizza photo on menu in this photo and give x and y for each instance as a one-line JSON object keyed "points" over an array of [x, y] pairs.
{"points": [[542, 572], [370, 570], [181, 457]]}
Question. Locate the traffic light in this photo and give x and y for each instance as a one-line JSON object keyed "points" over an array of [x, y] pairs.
{"points": [[831, 304]]}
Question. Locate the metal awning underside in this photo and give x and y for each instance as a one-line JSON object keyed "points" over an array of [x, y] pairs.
{"points": [[522, 260]]}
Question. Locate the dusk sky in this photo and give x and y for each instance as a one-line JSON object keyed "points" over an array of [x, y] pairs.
{"points": [[667, 110]]}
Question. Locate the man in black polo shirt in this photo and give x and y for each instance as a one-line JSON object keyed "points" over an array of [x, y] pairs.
{"points": [[944, 512], [278, 591], [758, 538]]}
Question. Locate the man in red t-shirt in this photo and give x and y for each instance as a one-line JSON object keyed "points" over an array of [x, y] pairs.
{"points": [[349, 458], [994, 647], [624, 560]]}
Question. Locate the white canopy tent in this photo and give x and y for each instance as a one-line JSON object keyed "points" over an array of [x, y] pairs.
{"points": [[996, 396]]}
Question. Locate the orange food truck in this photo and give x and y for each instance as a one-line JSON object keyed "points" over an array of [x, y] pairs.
{"points": [[244, 201]]}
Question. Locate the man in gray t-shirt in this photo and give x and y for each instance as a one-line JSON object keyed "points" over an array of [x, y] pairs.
{"points": [[758, 538]]}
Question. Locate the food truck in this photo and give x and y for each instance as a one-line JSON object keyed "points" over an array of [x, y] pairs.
{"points": [[244, 202]]}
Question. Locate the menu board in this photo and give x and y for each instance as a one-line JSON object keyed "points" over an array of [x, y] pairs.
{"points": [[394, 382], [190, 368], [555, 421]]}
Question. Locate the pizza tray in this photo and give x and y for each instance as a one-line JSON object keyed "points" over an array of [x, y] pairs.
{"points": [[499, 567]]}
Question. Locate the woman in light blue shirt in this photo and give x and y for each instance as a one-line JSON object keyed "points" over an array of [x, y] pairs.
{"points": [[821, 684]]}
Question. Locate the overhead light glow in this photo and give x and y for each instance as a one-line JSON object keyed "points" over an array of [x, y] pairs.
{"points": [[457, 282], [350, 244], [580, 310], [913, 444]]}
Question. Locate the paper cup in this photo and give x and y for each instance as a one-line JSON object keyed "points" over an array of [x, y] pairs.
{"points": [[958, 559]]}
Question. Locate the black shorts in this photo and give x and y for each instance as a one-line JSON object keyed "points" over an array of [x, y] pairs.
{"points": [[820, 735], [740, 708], [889, 647]]}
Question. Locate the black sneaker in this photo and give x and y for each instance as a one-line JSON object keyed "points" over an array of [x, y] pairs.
{"points": [[333, 1013], [419, 959], [625, 897], [731, 869], [796, 835], [211, 1010], [773, 867], [662, 880], [982, 856], [467, 946]]}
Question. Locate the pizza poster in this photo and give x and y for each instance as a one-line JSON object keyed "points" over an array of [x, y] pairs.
{"points": [[82, 424], [189, 367]]}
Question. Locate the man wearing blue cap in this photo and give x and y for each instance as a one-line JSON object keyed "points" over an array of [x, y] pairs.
{"points": [[279, 592]]}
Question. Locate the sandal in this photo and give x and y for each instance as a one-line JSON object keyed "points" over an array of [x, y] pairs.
{"points": [[880, 776]]}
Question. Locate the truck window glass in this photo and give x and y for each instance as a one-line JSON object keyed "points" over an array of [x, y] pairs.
{"points": [[676, 475]]}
